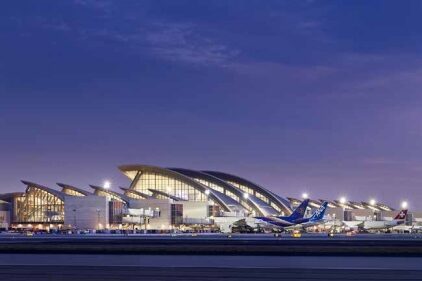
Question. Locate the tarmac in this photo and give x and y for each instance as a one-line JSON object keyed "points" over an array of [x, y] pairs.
{"points": [[218, 244], [211, 257], [139, 267]]}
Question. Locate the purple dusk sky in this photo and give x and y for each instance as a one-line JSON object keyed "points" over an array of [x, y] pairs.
{"points": [[316, 96]]}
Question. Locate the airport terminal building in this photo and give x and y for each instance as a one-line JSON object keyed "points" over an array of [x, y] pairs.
{"points": [[160, 199]]}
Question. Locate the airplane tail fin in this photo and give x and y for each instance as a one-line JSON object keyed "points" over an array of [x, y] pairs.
{"points": [[401, 215], [299, 212], [319, 214]]}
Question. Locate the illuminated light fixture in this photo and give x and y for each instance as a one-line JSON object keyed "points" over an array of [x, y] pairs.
{"points": [[305, 195], [404, 205], [207, 192], [107, 184], [245, 195], [372, 202], [343, 200]]}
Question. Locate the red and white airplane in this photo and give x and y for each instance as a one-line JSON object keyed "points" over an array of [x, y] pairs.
{"points": [[373, 225], [378, 225]]}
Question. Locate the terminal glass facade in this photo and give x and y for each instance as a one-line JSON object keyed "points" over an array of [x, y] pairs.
{"points": [[133, 195], [40, 206], [168, 185], [221, 189], [18, 203], [210, 185], [242, 187], [72, 192], [249, 190], [258, 195], [276, 207], [262, 197], [232, 195], [109, 195]]}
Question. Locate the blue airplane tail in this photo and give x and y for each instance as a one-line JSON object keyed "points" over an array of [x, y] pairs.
{"points": [[299, 212], [319, 214]]}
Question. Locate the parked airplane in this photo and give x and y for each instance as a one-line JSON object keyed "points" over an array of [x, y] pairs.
{"points": [[283, 221], [373, 225], [278, 222], [298, 213], [317, 218], [379, 225], [408, 228]]}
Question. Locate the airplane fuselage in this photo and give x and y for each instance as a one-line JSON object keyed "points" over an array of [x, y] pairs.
{"points": [[370, 225], [275, 222]]}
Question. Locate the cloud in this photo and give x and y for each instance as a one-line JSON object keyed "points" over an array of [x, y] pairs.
{"points": [[346, 76], [383, 161], [101, 5], [177, 42], [280, 71], [60, 25], [181, 42]]}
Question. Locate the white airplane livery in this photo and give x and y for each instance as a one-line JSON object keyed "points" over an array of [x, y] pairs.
{"points": [[376, 225]]}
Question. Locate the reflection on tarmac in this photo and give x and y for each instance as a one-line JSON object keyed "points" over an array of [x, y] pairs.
{"points": [[102, 273], [175, 268], [286, 262]]}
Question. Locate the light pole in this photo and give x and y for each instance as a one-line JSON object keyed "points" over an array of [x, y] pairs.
{"points": [[98, 218], [49, 217], [334, 221], [343, 202], [74, 219], [49, 214], [373, 202], [305, 196]]}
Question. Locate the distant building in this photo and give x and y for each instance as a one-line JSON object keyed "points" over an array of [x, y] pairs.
{"points": [[161, 199]]}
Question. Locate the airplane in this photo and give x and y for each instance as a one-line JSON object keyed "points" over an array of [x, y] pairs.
{"points": [[283, 221], [316, 218], [298, 213], [407, 228], [377, 225]]}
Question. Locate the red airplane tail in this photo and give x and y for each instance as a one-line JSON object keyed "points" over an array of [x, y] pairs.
{"points": [[401, 215]]}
